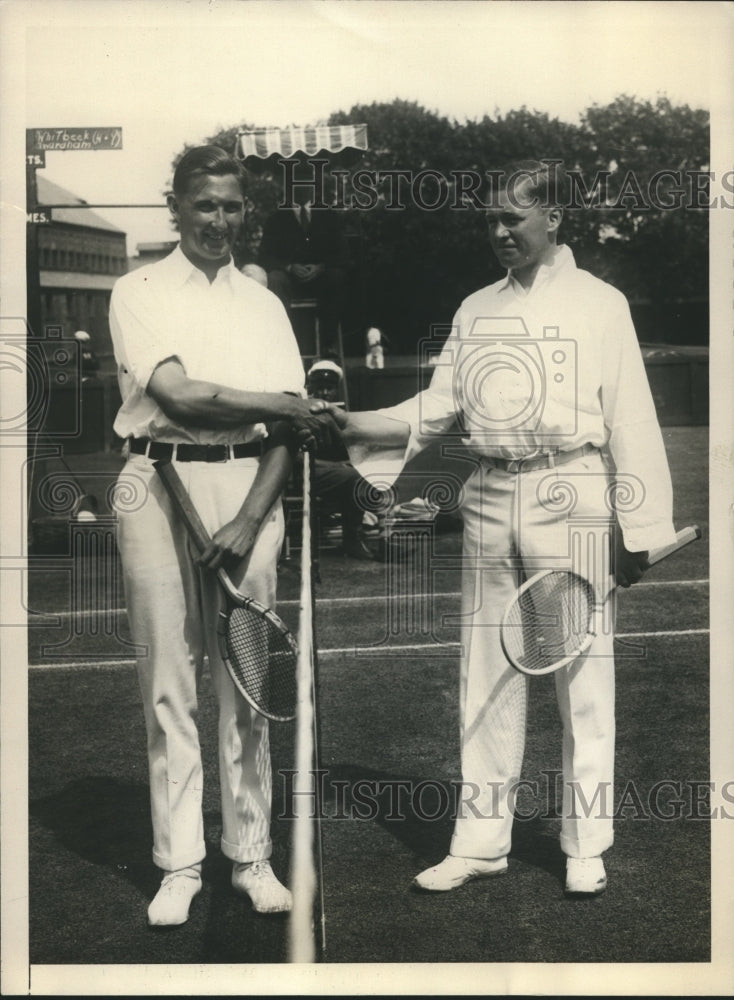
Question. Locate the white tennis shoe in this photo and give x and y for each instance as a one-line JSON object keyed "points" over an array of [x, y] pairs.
{"points": [[585, 876], [453, 872], [170, 906], [258, 881]]}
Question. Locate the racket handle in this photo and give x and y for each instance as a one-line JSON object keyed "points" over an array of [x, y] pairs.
{"points": [[684, 537], [183, 504], [190, 516]]}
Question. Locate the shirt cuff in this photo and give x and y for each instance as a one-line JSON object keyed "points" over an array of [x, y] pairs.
{"points": [[647, 538]]}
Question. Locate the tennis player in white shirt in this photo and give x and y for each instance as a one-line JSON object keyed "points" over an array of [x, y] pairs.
{"points": [[544, 372], [211, 379]]}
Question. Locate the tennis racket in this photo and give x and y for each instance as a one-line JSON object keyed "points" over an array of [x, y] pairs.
{"points": [[257, 648], [556, 615]]}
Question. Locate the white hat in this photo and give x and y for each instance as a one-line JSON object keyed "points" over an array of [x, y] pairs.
{"points": [[322, 367]]}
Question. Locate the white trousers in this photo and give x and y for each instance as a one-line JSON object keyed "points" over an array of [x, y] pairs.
{"points": [[173, 608], [556, 518]]}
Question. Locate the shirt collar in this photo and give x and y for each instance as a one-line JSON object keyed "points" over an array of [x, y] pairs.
{"points": [[182, 270], [562, 258]]}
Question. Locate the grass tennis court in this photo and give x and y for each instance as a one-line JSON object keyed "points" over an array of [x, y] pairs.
{"points": [[388, 721]]}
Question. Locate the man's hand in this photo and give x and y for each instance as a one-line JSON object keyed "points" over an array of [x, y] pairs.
{"points": [[312, 421], [231, 544], [307, 272], [338, 414], [370, 430], [629, 567]]}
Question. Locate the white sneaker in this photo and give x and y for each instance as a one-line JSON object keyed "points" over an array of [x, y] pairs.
{"points": [[258, 881], [585, 876], [170, 907], [453, 872]]}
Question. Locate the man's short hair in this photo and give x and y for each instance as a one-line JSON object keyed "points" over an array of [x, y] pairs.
{"points": [[202, 161], [546, 180]]}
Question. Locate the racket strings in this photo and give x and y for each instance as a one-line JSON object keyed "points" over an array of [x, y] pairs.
{"points": [[262, 658], [549, 621]]}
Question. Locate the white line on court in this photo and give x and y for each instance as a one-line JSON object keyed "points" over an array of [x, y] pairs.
{"points": [[448, 647], [36, 617]]}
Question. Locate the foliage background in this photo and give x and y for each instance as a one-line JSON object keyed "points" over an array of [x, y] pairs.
{"points": [[411, 268]]}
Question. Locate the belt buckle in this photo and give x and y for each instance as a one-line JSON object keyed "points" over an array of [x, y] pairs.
{"points": [[531, 463], [543, 461], [213, 449]]}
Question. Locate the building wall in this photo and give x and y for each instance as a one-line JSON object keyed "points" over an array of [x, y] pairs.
{"points": [[149, 253], [78, 268], [80, 249]]}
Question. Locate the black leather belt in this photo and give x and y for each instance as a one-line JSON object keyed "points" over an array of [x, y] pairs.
{"points": [[159, 450], [535, 462]]}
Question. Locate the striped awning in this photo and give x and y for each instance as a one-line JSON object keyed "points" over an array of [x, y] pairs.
{"points": [[343, 144]]}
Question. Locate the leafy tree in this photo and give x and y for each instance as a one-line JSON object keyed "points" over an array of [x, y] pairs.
{"points": [[423, 263], [420, 248], [652, 252], [417, 260]]}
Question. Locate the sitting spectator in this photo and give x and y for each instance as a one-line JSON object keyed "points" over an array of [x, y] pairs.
{"points": [[335, 480]]}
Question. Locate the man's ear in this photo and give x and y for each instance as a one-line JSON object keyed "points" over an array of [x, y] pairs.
{"points": [[172, 205], [555, 217]]}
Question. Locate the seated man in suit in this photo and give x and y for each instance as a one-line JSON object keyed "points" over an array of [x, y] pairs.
{"points": [[335, 480], [304, 252]]}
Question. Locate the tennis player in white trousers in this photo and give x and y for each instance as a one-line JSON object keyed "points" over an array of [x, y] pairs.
{"points": [[211, 379], [544, 372]]}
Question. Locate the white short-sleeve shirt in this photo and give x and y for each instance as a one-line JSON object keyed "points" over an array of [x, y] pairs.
{"points": [[231, 331]]}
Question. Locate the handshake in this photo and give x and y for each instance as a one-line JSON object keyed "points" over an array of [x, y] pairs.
{"points": [[316, 423]]}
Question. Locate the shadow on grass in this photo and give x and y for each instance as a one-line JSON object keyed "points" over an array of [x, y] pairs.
{"points": [[420, 813], [105, 821]]}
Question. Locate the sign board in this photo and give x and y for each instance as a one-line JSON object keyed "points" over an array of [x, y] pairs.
{"points": [[41, 217], [41, 140]]}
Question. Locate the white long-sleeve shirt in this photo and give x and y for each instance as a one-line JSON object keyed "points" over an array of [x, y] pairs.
{"points": [[546, 370], [232, 332]]}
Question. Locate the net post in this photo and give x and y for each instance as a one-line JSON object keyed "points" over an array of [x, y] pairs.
{"points": [[301, 939]]}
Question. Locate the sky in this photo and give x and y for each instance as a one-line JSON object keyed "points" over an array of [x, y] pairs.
{"points": [[175, 72]]}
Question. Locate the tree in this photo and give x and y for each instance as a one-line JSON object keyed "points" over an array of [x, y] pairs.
{"points": [[422, 262], [420, 249], [656, 228], [417, 259]]}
